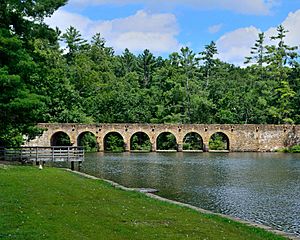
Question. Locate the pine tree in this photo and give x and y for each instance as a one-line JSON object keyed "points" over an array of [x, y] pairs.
{"points": [[258, 51], [208, 54]]}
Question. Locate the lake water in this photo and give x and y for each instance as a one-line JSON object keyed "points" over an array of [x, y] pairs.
{"points": [[259, 187]]}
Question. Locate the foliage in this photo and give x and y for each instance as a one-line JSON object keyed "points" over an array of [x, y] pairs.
{"points": [[114, 143], [89, 142], [20, 106], [166, 141], [258, 51], [192, 141], [18, 110], [295, 149], [292, 149], [210, 63], [60, 139], [140, 142], [218, 142]]}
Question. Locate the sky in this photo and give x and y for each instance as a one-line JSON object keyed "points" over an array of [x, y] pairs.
{"points": [[164, 27]]}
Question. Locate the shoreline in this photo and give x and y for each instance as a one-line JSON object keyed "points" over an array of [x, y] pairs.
{"points": [[200, 210]]}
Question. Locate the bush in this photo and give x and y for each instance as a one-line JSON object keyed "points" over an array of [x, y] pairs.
{"points": [[217, 143], [166, 141], [114, 143], [187, 146], [192, 141], [292, 149], [89, 142], [143, 143]]}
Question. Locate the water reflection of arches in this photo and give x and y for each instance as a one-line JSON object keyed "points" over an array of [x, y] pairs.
{"points": [[140, 141], [219, 141], [88, 140], [166, 141], [114, 142], [60, 139], [192, 141]]}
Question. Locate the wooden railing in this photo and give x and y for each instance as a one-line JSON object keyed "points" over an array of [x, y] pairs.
{"points": [[44, 154]]}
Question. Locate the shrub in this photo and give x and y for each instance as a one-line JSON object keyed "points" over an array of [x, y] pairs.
{"points": [[217, 143]]}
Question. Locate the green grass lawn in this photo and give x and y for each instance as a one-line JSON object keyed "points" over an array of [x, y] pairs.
{"points": [[55, 204]]}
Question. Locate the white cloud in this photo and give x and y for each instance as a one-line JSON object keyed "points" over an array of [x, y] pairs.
{"points": [[234, 46], [156, 32], [256, 7], [215, 28], [292, 23], [63, 20]]}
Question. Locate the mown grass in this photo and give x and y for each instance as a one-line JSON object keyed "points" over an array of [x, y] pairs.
{"points": [[55, 204]]}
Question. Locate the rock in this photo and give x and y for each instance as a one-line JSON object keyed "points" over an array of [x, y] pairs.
{"points": [[147, 190]]}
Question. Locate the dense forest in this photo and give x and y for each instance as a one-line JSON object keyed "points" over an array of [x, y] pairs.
{"points": [[86, 82]]}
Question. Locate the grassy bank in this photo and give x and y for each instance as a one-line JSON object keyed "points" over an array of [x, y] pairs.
{"points": [[54, 204]]}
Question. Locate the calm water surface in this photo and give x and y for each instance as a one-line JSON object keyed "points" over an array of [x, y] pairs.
{"points": [[260, 187]]}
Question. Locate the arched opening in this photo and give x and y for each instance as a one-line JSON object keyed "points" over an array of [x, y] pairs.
{"points": [[192, 141], [140, 141], [60, 139], [166, 141], [114, 142], [219, 141], [88, 141]]}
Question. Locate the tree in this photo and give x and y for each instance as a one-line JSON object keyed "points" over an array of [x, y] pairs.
{"points": [[53, 81], [21, 23], [19, 107], [146, 64], [278, 57], [74, 41], [208, 59], [281, 54], [258, 51], [19, 110], [284, 102], [188, 62], [128, 62]]}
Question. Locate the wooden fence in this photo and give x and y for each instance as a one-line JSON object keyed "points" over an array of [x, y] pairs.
{"points": [[42, 154]]}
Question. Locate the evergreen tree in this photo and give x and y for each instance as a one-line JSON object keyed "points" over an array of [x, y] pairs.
{"points": [[258, 52], [74, 42], [208, 58], [279, 56], [146, 64]]}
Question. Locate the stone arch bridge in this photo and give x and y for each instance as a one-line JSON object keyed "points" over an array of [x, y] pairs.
{"points": [[249, 137]]}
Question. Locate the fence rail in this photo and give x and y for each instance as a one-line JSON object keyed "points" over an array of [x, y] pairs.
{"points": [[45, 154]]}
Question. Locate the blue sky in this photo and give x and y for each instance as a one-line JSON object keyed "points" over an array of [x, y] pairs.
{"points": [[166, 26]]}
